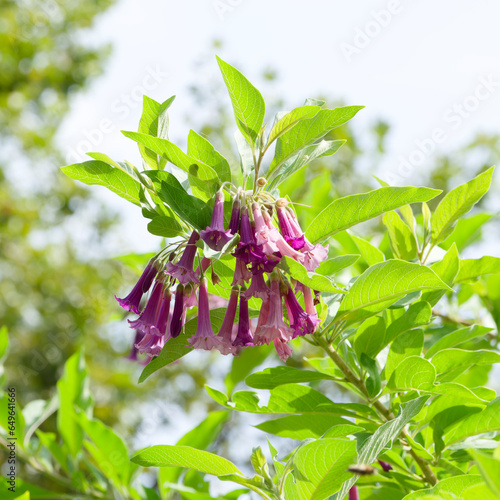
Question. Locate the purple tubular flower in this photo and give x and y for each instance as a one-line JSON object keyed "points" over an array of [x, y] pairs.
{"points": [[214, 235], [205, 337], [183, 270], [274, 326], [226, 329], [247, 250], [234, 223], [132, 301], [148, 317], [353, 493], [385, 466], [151, 344], [176, 322], [160, 327], [244, 337], [265, 235], [133, 351], [241, 273], [301, 322], [258, 287], [295, 241]]}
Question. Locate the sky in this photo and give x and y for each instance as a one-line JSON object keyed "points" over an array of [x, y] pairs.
{"points": [[431, 69]]}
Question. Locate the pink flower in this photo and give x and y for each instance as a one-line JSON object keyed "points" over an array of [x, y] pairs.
{"points": [[302, 322], [151, 344], [258, 287], [148, 316], [274, 327], [162, 317], [264, 234], [132, 301], [247, 249], [283, 349], [353, 493], [215, 236], [226, 329], [296, 241], [205, 337], [183, 270], [244, 337], [241, 273]]}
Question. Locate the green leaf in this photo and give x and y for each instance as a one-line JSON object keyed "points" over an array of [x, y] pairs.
{"points": [[320, 467], [165, 226], [308, 131], [72, 390], [413, 372], [248, 105], [313, 280], [246, 155], [345, 212], [466, 231], [373, 382], [124, 166], [291, 119], [447, 270], [457, 203], [403, 243], [478, 491], [178, 347], [385, 434], [450, 363], [288, 399], [306, 426], [369, 252], [305, 156], [279, 375], [471, 269], [102, 174], [203, 179], [383, 284], [333, 266], [200, 148], [457, 337], [447, 489], [186, 457], [154, 121], [108, 450], [405, 345], [189, 208], [370, 337], [489, 467]]}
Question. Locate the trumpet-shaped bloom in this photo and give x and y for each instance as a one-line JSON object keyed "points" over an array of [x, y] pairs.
{"points": [[148, 317], [274, 326], [301, 322], [241, 273], [215, 236], [183, 270], [177, 314], [244, 337], [226, 329], [234, 223], [265, 235], [151, 344], [159, 328], [132, 301], [296, 241], [205, 337], [247, 249], [258, 287], [283, 349]]}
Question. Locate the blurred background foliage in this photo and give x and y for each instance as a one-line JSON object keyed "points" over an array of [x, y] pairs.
{"points": [[53, 300]]}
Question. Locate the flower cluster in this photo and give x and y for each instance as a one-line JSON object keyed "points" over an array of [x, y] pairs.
{"points": [[268, 230]]}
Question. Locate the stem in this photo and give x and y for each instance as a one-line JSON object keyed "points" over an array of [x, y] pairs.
{"points": [[384, 412]]}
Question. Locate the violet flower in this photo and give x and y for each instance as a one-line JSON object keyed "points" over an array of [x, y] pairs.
{"points": [[274, 327], [283, 349], [148, 317], [160, 327], [301, 322], [133, 351], [244, 337], [295, 241], [183, 270], [258, 287], [151, 344], [264, 235], [385, 466], [205, 337], [132, 301], [234, 223], [177, 315], [353, 493], [241, 273], [226, 329], [247, 249], [215, 236]]}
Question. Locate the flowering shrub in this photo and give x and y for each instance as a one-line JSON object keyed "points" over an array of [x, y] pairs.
{"points": [[238, 271]]}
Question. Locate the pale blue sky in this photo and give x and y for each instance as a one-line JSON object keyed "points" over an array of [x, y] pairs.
{"points": [[432, 69]]}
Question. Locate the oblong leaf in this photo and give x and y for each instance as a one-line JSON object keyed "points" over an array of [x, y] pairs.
{"points": [[345, 212], [285, 123]]}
